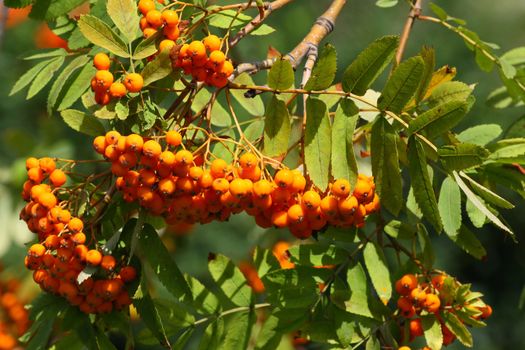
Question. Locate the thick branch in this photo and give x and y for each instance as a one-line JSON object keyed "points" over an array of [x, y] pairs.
{"points": [[415, 12], [257, 21], [323, 26]]}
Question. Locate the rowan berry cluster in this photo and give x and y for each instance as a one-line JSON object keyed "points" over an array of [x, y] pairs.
{"points": [[205, 61], [62, 251], [419, 297], [14, 318], [153, 20], [104, 85], [172, 182]]}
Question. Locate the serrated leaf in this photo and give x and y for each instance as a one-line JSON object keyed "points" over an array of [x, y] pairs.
{"points": [[457, 328], [462, 156], [44, 76], [421, 183], [480, 134], [344, 164], [365, 69], [157, 69], [253, 105], [427, 254], [317, 143], [429, 58], [239, 330], [100, 34], [219, 115], [149, 314], [277, 128], [28, 76], [45, 54], [401, 85], [324, 70], [281, 75], [449, 91], [317, 255], [82, 122], [439, 119], [475, 215], [202, 297], [49, 10], [155, 254], [511, 151], [432, 332], [377, 267], [385, 165], [76, 87], [450, 206], [358, 303], [231, 280], [475, 200], [124, 14], [60, 81], [146, 47], [467, 241], [270, 334], [487, 194]]}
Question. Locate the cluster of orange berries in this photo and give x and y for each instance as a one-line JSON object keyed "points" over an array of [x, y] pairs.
{"points": [[204, 61], [416, 297], [172, 182], [62, 252], [153, 20], [14, 320], [104, 85]]}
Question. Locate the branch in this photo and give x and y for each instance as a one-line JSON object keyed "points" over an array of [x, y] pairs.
{"points": [[415, 12], [323, 26], [257, 21]]}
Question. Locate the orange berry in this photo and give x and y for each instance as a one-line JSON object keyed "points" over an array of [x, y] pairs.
{"points": [[197, 50], [154, 18], [341, 188], [47, 165], [416, 328], [418, 296], [296, 214], [94, 257], [486, 312], [212, 43], [216, 59], [166, 44], [103, 79], [311, 199], [99, 144], [363, 191], [171, 32], [438, 281], [406, 284], [134, 142], [248, 161], [108, 262], [151, 148], [101, 61], [36, 250], [280, 218], [431, 303], [145, 6], [75, 225], [36, 175], [262, 188], [134, 82], [32, 162], [167, 158], [173, 138], [143, 23], [128, 273], [117, 90], [347, 207], [112, 137], [219, 168], [170, 17], [48, 200], [226, 69], [206, 179], [299, 182], [57, 178], [220, 185], [329, 206], [283, 178], [148, 32], [404, 348]]}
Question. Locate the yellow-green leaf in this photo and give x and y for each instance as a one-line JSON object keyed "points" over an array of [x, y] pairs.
{"points": [[100, 34], [317, 143]]}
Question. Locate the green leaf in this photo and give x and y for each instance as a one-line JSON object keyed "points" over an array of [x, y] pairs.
{"points": [[270, 334], [254, 130], [60, 82], [253, 105], [480, 134], [100, 34], [467, 241], [277, 128], [149, 314], [358, 303], [365, 69], [450, 206], [157, 69], [82, 122], [517, 129], [227, 18], [317, 143], [432, 331], [263, 29], [478, 204], [475, 215], [146, 48], [153, 251], [230, 280], [75, 87], [401, 85], [317, 255], [457, 328], [487, 194], [124, 14], [281, 75], [344, 164], [421, 183], [211, 339], [49, 10], [400, 230], [28, 76], [17, 3], [449, 91], [511, 151], [42, 53], [377, 267], [439, 119], [202, 297], [219, 115], [239, 328], [385, 165], [429, 58], [44, 76], [438, 11], [373, 344], [324, 70], [386, 4], [462, 156]]}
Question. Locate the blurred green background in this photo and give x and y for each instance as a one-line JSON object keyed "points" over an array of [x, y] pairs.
{"points": [[25, 130]]}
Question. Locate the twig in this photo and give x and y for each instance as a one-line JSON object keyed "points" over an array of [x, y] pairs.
{"points": [[323, 26], [415, 12], [257, 21]]}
